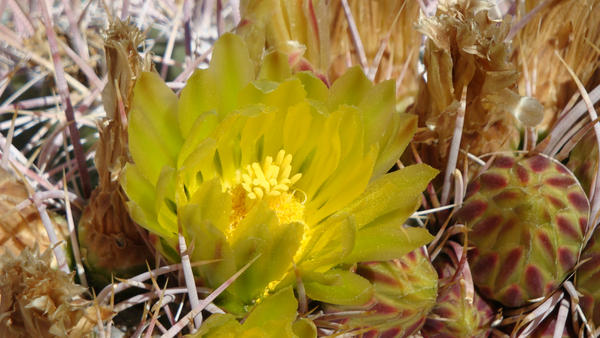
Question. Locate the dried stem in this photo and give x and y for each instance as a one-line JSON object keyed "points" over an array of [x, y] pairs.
{"points": [[454, 147], [360, 51], [189, 278]]}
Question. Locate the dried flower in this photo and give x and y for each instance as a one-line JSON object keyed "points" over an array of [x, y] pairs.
{"points": [[111, 243], [466, 52], [39, 301]]}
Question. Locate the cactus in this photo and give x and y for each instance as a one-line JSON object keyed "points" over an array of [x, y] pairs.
{"points": [[527, 216], [587, 280], [405, 290], [456, 313]]}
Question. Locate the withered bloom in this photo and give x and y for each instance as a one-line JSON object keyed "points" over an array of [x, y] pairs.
{"points": [[466, 51], [39, 301], [110, 240]]}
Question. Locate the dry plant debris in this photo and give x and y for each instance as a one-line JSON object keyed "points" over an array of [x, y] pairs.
{"points": [[38, 300]]}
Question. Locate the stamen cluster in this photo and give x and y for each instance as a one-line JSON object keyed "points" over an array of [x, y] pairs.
{"points": [[270, 179]]}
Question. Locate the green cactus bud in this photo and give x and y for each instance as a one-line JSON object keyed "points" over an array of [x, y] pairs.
{"points": [[457, 314], [527, 217], [404, 293]]}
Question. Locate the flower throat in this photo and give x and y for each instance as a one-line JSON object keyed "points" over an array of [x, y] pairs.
{"points": [[271, 183]]}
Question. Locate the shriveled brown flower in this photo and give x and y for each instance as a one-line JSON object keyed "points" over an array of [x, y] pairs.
{"points": [[568, 28], [466, 52], [39, 301], [124, 65], [111, 242]]}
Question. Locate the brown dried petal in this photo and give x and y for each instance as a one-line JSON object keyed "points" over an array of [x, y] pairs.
{"points": [[124, 65]]}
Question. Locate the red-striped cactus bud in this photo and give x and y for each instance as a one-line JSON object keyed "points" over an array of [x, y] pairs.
{"points": [[527, 217]]}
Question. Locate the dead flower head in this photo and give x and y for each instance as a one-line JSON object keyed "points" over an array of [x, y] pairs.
{"points": [[111, 243], [466, 54], [39, 301], [22, 227]]}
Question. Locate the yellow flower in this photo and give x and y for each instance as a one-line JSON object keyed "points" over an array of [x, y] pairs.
{"points": [[278, 166]]}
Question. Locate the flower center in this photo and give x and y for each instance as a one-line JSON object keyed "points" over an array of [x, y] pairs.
{"points": [[272, 183], [270, 179]]}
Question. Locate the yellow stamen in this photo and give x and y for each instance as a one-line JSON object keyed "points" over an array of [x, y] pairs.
{"points": [[270, 179]]}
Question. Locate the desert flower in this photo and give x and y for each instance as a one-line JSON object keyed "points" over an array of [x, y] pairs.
{"points": [[277, 166]]}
